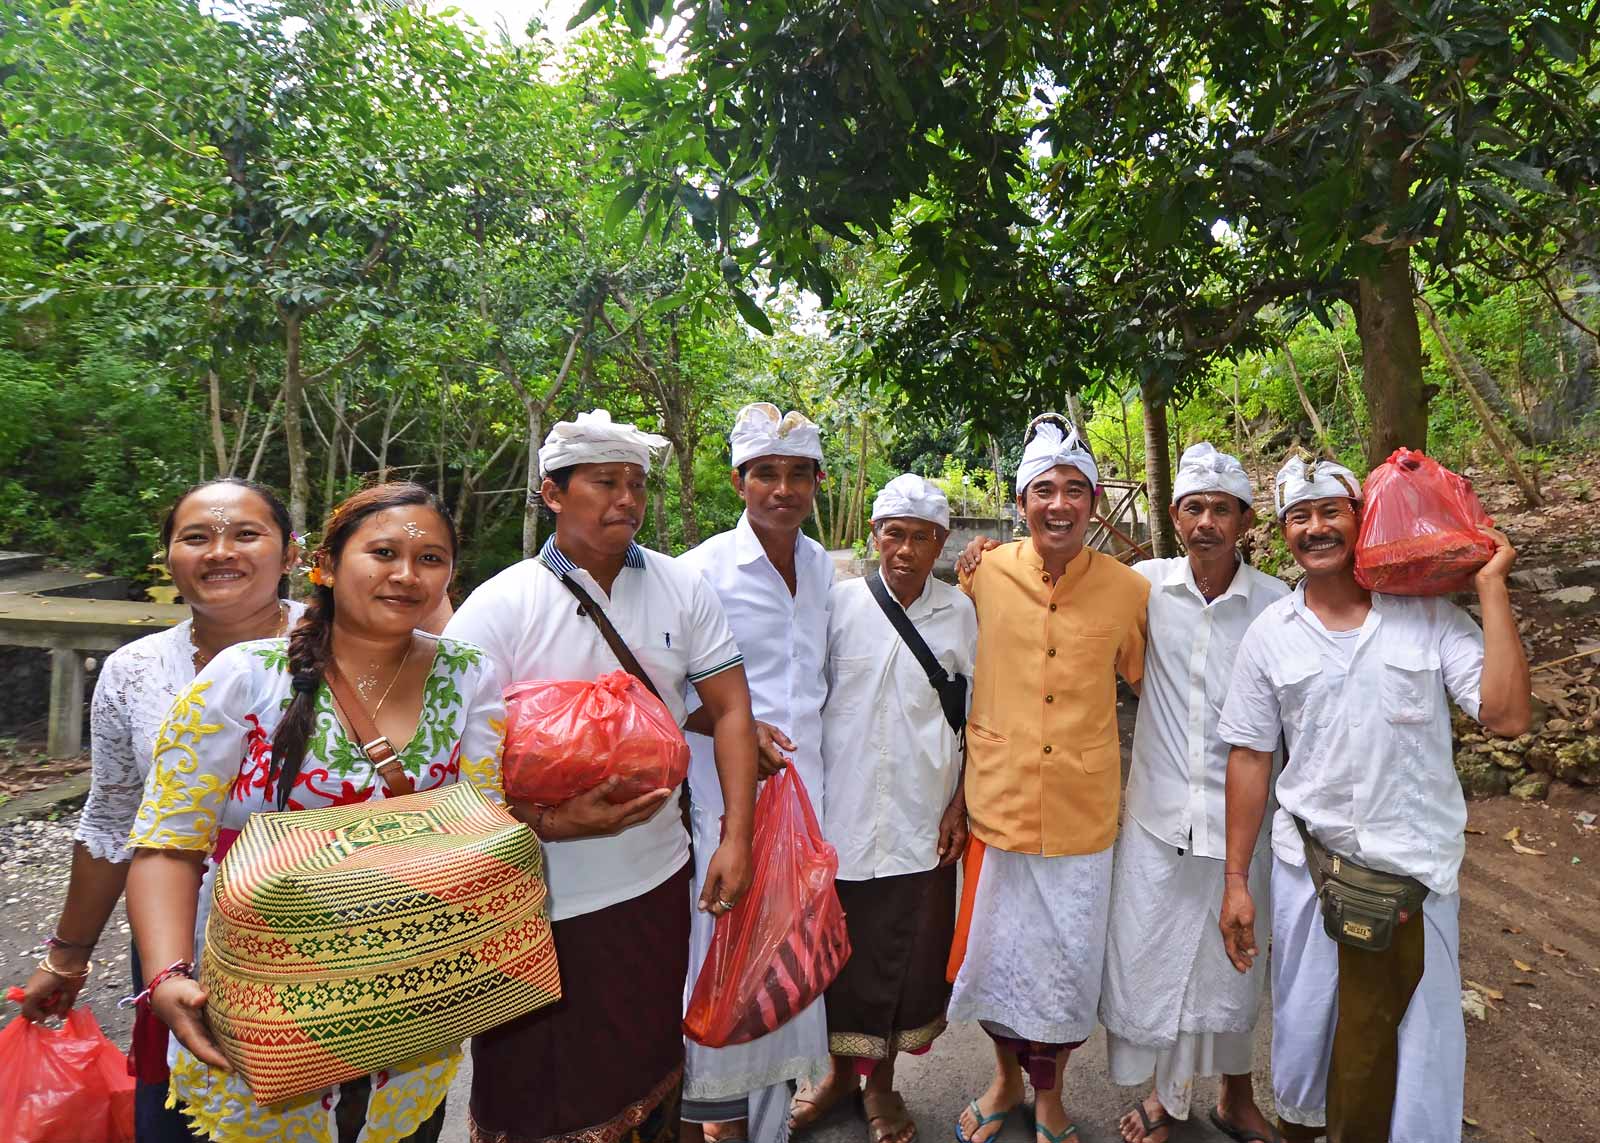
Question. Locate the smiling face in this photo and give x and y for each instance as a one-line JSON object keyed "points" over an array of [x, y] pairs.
{"points": [[778, 491], [393, 570], [1057, 506], [908, 547], [1211, 522], [227, 553], [600, 509], [1321, 534]]}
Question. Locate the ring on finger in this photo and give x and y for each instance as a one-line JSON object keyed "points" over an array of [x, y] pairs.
{"points": [[725, 903]]}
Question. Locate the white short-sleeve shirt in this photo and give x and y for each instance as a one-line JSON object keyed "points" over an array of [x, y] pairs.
{"points": [[890, 760], [529, 623], [784, 638], [1370, 768], [1178, 779]]}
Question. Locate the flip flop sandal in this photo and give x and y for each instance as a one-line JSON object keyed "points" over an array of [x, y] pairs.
{"points": [[1241, 1134], [889, 1110], [1067, 1132], [1151, 1126], [983, 1120]]}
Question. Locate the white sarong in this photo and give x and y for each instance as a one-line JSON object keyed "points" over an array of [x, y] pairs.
{"points": [[1173, 1004], [1305, 991], [1036, 946], [762, 1068]]}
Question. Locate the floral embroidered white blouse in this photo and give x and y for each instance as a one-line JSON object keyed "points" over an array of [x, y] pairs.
{"points": [[212, 763], [132, 694]]}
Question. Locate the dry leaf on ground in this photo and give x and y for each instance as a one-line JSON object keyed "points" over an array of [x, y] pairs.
{"points": [[1511, 834], [1491, 993], [1522, 965], [1525, 851], [1551, 949]]}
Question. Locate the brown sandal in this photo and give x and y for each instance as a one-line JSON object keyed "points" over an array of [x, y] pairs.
{"points": [[888, 1119], [806, 1108]]}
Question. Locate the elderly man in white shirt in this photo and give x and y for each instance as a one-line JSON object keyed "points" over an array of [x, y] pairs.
{"points": [[607, 1061], [891, 756], [773, 583], [1368, 1036], [1172, 1005]]}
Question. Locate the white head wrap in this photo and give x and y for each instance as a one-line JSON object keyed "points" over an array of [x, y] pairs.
{"points": [[1303, 479], [595, 439], [911, 495], [1049, 448], [761, 430], [1204, 469]]}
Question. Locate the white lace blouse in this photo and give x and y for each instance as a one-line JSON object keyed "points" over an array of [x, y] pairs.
{"points": [[135, 689]]}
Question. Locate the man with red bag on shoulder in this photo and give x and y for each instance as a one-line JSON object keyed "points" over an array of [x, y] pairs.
{"points": [[1368, 1038], [606, 1061]]}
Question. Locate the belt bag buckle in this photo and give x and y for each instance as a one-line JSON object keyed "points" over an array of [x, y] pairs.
{"points": [[1359, 917]]}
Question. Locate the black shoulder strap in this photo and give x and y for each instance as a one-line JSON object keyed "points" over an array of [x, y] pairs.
{"points": [[951, 689], [908, 630], [608, 632]]}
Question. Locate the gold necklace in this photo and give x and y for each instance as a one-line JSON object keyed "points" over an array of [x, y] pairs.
{"points": [[201, 658], [398, 671]]}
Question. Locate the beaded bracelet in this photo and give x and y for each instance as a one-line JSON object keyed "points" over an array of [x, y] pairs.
{"points": [[142, 1000]]}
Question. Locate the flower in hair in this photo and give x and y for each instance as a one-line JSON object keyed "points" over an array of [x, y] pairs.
{"points": [[319, 577]]}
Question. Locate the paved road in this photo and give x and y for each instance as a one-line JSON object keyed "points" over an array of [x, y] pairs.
{"points": [[938, 1085]]}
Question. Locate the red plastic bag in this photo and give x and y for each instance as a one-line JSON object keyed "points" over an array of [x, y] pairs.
{"points": [[67, 1085], [1419, 528], [566, 736], [785, 942]]}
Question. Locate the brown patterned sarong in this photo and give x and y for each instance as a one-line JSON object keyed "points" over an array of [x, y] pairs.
{"points": [[891, 994], [604, 1064]]}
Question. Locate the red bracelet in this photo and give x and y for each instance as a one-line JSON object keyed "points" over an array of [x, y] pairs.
{"points": [[176, 968]]}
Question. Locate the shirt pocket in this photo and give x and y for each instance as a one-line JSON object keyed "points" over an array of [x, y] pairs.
{"points": [[1409, 683], [1295, 682], [852, 682]]}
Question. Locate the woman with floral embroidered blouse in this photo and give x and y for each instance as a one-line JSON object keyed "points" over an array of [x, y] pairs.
{"points": [[227, 545], [260, 730]]}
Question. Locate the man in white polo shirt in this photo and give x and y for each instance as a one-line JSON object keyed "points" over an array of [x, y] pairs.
{"points": [[1367, 1030], [891, 755], [606, 1061], [1172, 1005]]}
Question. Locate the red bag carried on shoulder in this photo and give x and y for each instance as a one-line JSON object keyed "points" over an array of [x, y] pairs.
{"points": [[564, 737], [67, 1085], [781, 947], [1419, 528]]}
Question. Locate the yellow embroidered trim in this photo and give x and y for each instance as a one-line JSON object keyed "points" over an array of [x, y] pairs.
{"points": [[484, 773], [178, 789], [397, 1109], [866, 1047], [225, 1116]]}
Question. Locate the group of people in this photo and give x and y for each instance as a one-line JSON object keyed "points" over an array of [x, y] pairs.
{"points": [[932, 726]]}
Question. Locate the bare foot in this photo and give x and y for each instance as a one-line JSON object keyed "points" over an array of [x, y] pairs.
{"points": [[1132, 1127], [1003, 1095], [721, 1132], [813, 1102]]}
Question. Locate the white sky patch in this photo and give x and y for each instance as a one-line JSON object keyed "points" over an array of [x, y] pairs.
{"points": [[513, 15]]}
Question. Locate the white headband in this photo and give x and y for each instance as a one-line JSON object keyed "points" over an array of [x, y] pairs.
{"points": [[1302, 479], [1204, 469], [593, 438], [1050, 448], [762, 430], [912, 495]]}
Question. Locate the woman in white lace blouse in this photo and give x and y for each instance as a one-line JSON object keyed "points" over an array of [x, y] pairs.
{"points": [[228, 546]]}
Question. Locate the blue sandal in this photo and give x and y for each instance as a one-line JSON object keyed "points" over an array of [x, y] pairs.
{"points": [[983, 1121], [1050, 1136]]}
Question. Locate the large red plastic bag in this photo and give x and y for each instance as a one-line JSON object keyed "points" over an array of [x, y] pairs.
{"points": [[564, 737], [783, 944], [67, 1085], [1419, 528]]}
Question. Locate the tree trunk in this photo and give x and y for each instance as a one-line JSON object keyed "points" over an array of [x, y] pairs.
{"points": [[330, 471], [687, 519], [266, 435], [219, 442], [658, 512], [1391, 359], [1158, 471], [530, 503], [1305, 402], [293, 434]]}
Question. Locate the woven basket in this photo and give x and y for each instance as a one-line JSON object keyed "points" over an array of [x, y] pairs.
{"points": [[347, 940]]}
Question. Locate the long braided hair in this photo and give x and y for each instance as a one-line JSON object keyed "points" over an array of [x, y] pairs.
{"points": [[311, 643]]}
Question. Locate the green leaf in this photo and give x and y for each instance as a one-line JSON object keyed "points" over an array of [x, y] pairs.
{"points": [[1550, 35], [751, 312], [622, 206], [1527, 175], [590, 7]]}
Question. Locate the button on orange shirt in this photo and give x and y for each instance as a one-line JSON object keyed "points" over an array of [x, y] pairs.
{"points": [[1043, 762]]}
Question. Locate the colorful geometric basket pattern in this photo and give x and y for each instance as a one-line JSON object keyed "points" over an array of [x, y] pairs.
{"points": [[346, 940]]}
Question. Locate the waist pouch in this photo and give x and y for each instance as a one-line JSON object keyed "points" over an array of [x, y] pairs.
{"points": [[1361, 907]]}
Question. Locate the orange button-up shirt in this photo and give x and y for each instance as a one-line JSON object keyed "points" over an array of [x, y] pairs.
{"points": [[1043, 761]]}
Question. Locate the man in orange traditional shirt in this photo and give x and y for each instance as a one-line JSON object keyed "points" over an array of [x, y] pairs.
{"points": [[1057, 623]]}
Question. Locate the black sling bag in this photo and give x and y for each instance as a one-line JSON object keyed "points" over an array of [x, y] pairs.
{"points": [[951, 688]]}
